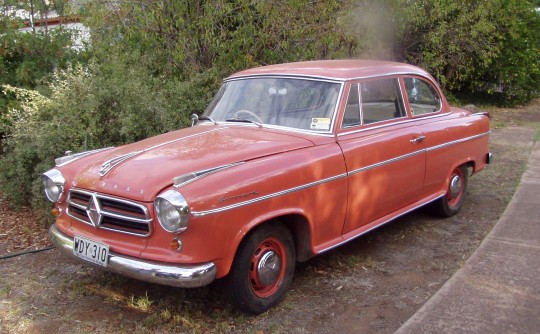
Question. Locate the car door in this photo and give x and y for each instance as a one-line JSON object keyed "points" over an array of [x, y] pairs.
{"points": [[384, 154]]}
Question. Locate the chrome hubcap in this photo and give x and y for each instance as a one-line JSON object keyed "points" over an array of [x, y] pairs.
{"points": [[455, 186], [268, 268]]}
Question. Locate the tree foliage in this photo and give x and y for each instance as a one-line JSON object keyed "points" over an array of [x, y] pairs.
{"points": [[486, 47], [184, 38], [28, 58], [489, 47]]}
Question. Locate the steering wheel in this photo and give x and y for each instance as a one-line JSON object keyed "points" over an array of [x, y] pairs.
{"points": [[250, 113]]}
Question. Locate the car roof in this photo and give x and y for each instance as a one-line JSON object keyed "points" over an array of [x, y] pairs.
{"points": [[340, 70]]}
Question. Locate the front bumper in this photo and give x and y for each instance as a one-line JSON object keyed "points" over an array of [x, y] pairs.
{"points": [[182, 276]]}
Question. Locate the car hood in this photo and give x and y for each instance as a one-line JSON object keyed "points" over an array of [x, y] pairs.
{"points": [[141, 170]]}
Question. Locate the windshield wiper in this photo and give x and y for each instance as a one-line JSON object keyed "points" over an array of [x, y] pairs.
{"points": [[240, 120]]}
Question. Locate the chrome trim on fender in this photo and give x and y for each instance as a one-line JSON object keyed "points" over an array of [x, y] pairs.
{"points": [[62, 161], [182, 180], [481, 113], [263, 198], [429, 149], [177, 275]]}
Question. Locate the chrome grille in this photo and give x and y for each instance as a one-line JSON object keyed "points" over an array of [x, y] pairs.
{"points": [[109, 213]]}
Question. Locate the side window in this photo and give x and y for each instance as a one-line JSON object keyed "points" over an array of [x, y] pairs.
{"points": [[423, 97], [381, 100], [352, 110]]}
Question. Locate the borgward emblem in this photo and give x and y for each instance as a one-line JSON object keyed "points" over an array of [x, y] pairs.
{"points": [[94, 211]]}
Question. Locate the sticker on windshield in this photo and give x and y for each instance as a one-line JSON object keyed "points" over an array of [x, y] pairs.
{"points": [[320, 124]]}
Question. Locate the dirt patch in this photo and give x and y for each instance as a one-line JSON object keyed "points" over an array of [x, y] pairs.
{"points": [[370, 285], [20, 230]]}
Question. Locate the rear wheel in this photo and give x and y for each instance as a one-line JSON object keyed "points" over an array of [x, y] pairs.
{"points": [[452, 201], [262, 270]]}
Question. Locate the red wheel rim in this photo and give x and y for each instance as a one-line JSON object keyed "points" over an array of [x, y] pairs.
{"points": [[456, 187], [267, 267]]}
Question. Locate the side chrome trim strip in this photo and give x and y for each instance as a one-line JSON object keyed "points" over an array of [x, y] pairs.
{"points": [[263, 198], [333, 178], [386, 162], [433, 148], [389, 161]]}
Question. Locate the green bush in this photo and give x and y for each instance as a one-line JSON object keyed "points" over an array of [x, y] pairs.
{"points": [[87, 109]]}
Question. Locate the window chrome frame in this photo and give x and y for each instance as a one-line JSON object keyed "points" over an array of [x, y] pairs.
{"points": [[431, 84]]}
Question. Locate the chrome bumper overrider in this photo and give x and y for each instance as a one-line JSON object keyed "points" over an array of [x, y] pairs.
{"points": [[183, 276]]}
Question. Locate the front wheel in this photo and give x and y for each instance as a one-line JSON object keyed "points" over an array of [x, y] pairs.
{"points": [[450, 204], [262, 270]]}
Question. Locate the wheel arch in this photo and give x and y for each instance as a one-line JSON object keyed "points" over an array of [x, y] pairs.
{"points": [[468, 162], [297, 224], [299, 227]]}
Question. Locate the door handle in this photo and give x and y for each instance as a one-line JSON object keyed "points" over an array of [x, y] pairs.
{"points": [[418, 139]]}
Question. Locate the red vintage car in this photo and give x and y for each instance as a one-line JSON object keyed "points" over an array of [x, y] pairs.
{"points": [[288, 161]]}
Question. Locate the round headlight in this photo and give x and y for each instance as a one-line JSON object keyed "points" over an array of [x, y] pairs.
{"points": [[172, 211], [53, 183]]}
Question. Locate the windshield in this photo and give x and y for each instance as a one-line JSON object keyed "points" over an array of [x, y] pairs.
{"points": [[296, 103]]}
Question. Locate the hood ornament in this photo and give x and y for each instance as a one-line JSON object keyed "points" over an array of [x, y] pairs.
{"points": [[111, 163]]}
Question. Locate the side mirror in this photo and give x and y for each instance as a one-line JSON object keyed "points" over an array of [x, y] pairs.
{"points": [[194, 119]]}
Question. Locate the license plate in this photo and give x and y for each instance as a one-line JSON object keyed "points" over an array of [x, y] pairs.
{"points": [[91, 250]]}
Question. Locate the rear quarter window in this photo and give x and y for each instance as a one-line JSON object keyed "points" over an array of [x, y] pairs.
{"points": [[423, 97]]}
